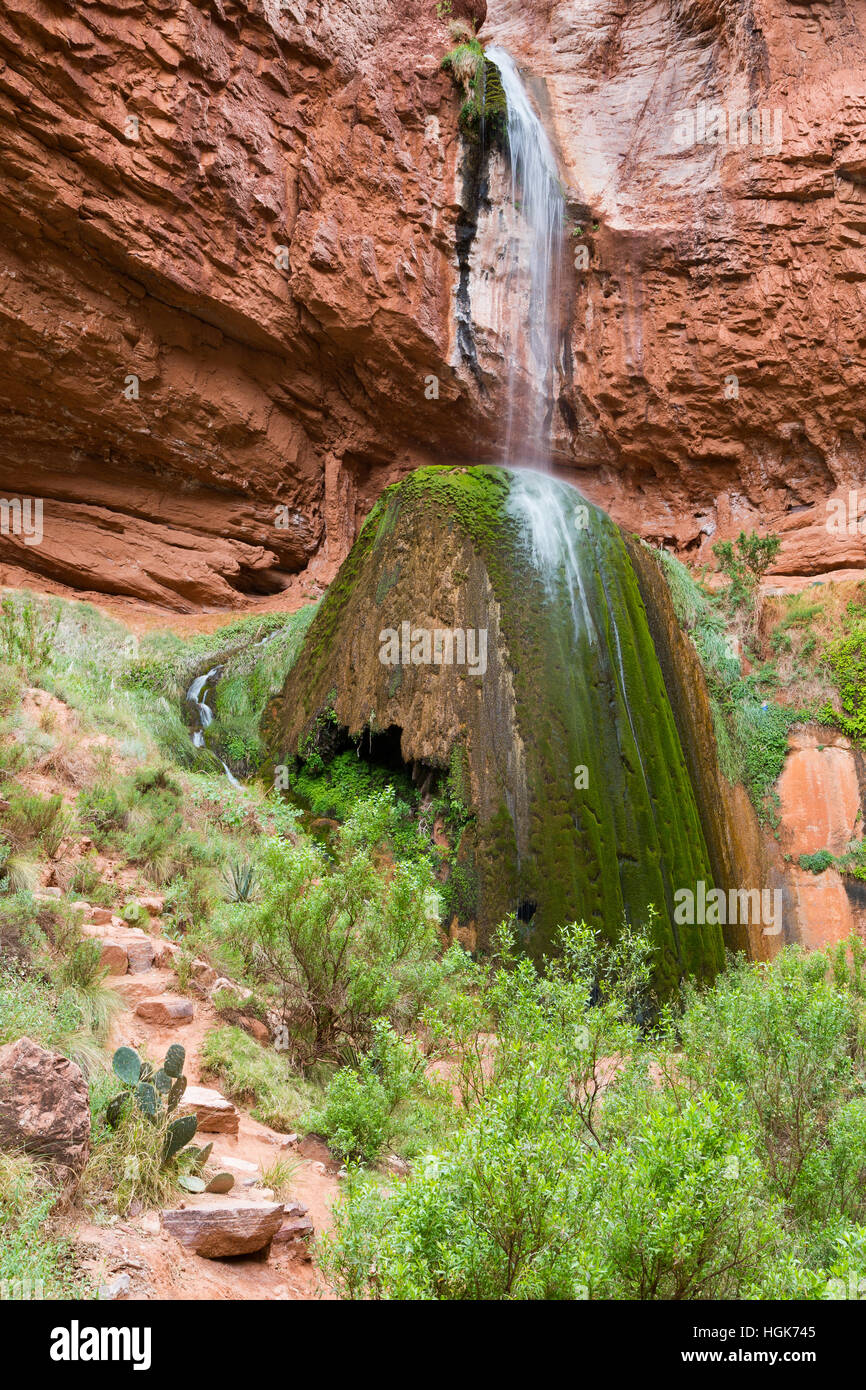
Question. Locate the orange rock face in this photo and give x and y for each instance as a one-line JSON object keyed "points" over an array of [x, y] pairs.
{"points": [[820, 808], [717, 336], [226, 238], [229, 240]]}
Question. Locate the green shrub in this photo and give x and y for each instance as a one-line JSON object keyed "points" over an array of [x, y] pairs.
{"points": [[101, 812], [28, 631], [847, 659], [722, 1154], [347, 779], [359, 1115], [744, 562], [342, 939], [11, 688], [816, 863], [33, 820]]}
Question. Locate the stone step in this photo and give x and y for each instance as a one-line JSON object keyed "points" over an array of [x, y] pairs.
{"points": [[218, 1230], [113, 957], [166, 1010], [241, 1167], [215, 1114], [137, 944]]}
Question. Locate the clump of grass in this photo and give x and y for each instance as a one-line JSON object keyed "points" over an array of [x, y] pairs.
{"points": [[82, 974], [20, 873], [252, 1075], [35, 1262], [279, 1176], [31, 1005]]}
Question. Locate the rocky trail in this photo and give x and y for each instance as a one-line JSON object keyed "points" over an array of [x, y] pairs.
{"points": [[153, 1254]]}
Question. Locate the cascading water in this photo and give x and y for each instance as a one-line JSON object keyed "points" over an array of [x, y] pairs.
{"points": [[596, 641], [196, 695], [534, 259]]}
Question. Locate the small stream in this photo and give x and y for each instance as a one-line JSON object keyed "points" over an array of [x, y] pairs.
{"points": [[197, 695]]}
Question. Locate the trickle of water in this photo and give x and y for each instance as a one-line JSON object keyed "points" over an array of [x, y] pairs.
{"points": [[196, 696], [537, 198]]}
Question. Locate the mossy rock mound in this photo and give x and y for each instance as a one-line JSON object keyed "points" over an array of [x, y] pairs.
{"points": [[570, 682]]}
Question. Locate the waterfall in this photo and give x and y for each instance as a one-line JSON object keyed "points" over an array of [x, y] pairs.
{"points": [[197, 695], [573, 546], [532, 274]]}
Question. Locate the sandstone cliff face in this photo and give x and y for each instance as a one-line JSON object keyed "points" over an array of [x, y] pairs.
{"points": [[229, 249], [226, 244], [711, 261]]}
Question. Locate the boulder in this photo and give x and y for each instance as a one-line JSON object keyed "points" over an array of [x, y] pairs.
{"points": [[215, 1114], [241, 1167], [204, 975], [223, 985], [154, 904], [255, 1028], [216, 1231], [101, 916], [114, 958], [44, 1107], [139, 949], [296, 1231], [164, 954], [168, 1010]]}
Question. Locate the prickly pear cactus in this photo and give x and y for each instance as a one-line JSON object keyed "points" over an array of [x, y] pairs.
{"points": [[180, 1132], [127, 1065]]}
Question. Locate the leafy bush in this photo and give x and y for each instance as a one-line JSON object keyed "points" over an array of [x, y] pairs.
{"points": [[847, 658], [745, 562], [101, 812], [721, 1154], [27, 631], [341, 941], [336, 789], [359, 1114], [816, 863], [33, 820]]}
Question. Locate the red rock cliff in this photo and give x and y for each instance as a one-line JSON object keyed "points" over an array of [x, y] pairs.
{"points": [[228, 245]]}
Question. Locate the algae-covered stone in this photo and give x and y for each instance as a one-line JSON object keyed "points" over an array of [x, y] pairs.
{"points": [[574, 769]]}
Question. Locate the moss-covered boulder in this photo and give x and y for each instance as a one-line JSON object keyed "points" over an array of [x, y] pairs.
{"points": [[556, 721]]}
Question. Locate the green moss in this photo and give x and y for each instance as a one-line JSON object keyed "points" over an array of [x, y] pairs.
{"points": [[486, 105], [589, 696]]}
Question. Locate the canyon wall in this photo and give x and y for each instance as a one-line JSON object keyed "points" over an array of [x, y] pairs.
{"points": [[232, 237], [226, 246]]}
